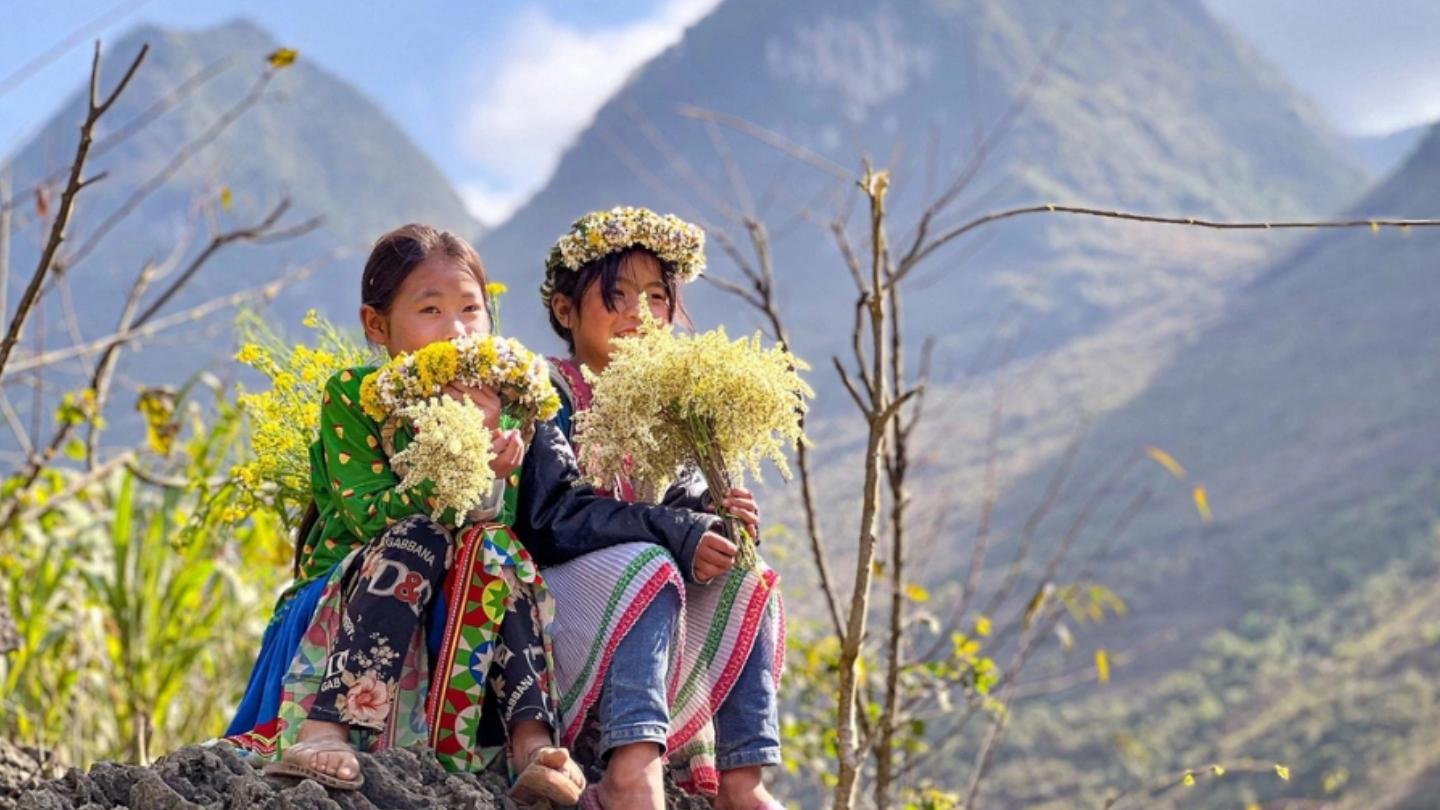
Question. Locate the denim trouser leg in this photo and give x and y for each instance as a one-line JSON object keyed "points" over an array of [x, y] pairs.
{"points": [[747, 725], [632, 706]]}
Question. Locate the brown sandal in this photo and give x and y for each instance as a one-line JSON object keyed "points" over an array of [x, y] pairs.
{"points": [[540, 782], [298, 761]]}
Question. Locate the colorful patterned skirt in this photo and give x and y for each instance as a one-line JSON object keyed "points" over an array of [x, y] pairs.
{"points": [[454, 710], [597, 599]]}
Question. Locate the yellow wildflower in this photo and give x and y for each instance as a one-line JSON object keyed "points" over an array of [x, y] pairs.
{"points": [[370, 398], [436, 365], [250, 354], [285, 419]]}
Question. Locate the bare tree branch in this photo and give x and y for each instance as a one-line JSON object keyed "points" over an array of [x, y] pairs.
{"points": [[112, 353], [258, 233], [1194, 222], [266, 291], [680, 166], [62, 431], [77, 485], [981, 153], [6, 223], [180, 158], [738, 186], [96, 110], [138, 124], [22, 436], [1032, 523]]}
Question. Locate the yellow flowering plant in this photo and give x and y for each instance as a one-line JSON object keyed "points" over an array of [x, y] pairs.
{"points": [[451, 447], [669, 400], [285, 418]]}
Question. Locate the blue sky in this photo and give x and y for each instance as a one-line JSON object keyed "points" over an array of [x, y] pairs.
{"points": [[493, 90]]}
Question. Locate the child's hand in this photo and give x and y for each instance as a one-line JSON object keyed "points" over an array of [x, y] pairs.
{"points": [[741, 503], [714, 556], [509, 450], [483, 398]]}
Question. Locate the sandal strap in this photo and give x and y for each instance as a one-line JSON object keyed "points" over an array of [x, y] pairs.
{"points": [[322, 746]]}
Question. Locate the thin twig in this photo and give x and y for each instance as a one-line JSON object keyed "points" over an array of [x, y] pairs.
{"points": [[264, 291], [112, 354], [980, 154], [1195, 222], [6, 223], [765, 136], [169, 482], [180, 158], [138, 124], [679, 165], [22, 437], [79, 484], [254, 233]]}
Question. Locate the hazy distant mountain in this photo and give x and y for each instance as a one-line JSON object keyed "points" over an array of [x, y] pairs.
{"points": [[312, 137], [1308, 412], [1148, 105], [1381, 154]]}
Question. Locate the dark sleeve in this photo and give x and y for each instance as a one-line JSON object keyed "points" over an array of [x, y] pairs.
{"points": [[560, 518], [689, 492]]}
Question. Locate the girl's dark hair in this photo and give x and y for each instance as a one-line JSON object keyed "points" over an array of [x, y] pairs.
{"points": [[398, 252], [605, 271], [391, 260]]}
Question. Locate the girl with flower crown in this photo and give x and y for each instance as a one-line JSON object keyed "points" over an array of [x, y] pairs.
{"points": [[659, 655], [392, 584]]}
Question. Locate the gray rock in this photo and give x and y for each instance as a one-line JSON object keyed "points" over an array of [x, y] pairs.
{"points": [[18, 771], [151, 792], [216, 778]]}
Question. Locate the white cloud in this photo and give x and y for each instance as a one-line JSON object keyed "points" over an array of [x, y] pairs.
{"points": [[543, 86], [488, 205]]}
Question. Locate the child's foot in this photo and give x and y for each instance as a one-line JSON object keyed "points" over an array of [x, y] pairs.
{"points": [[548, 775], [742, 789], [634, 779], [322, 752]]}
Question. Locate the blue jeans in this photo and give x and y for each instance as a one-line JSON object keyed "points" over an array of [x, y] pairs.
{"points": [[632, 702]]}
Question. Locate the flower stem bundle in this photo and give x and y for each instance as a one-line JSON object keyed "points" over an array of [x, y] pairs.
{"points": [[668, 401]]}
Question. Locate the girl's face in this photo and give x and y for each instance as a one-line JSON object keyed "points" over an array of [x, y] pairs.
{"points": [[594, 327], [440, 299]]}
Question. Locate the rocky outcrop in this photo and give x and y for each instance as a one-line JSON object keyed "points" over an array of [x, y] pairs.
{"points": [[216, 778]]}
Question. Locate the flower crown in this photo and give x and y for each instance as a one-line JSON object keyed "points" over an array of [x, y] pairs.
{"points": [[601, 233], [520, 376]]}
